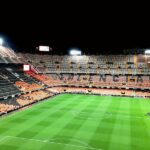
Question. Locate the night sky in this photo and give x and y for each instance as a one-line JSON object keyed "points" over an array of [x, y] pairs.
{"points": [[92, 32]]}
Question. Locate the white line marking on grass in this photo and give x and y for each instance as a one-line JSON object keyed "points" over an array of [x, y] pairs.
{"points": [[3, 139], [74, 140], [84, 115], [47, 141], [107, 115]]}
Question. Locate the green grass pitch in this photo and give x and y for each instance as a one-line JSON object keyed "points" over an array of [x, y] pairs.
{"points": [[79, 122]]}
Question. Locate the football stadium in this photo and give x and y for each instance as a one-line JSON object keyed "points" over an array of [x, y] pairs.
{"points": [[74, 101]]}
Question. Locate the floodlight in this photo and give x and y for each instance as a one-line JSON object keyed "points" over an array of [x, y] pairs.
{"points": [[75, 52], [1, 41], [147, 52]]}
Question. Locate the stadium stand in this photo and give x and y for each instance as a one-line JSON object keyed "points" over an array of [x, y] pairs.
{"points": [[120, 64], [10, 104], [120, 71], [117, 75]]}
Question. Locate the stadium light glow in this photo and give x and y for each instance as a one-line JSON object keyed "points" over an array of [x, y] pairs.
{"points": [[147, 52], [75, 52], [1, 41]]}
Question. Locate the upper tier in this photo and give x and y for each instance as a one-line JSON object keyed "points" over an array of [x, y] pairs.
{"points": [[7, 55], [94, 64], [97, 64]]}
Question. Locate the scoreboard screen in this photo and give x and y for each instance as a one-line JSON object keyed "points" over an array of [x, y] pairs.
{"points": [[44, 48]]}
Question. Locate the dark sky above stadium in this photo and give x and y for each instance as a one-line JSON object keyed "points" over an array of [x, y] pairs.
{"points": [[91, 30]]}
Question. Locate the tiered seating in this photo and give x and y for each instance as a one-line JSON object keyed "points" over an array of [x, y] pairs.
{"points": [[11, 76], [23, 100], [112, 64], [87, 69], [8, 105], [7, 55], [27, 87], [34, 96], [121, 81], [46, 79], [113, 92], [7, 88]]}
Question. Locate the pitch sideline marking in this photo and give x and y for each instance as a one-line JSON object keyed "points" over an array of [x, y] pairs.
{"points": [[47, 141], [3, 139]]}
